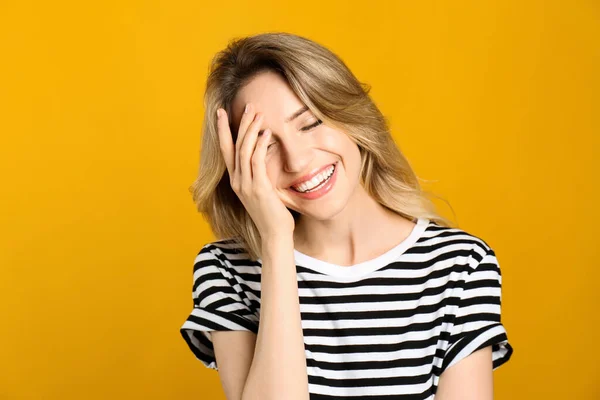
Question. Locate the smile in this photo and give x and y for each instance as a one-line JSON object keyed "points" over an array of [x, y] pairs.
{"points": [[316, 182], [318, 186]]}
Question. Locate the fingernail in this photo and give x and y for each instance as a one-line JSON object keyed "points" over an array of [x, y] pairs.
{"points": [[246, 109], [218, 113]]}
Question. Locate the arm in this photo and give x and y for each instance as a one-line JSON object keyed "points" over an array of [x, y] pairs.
{"points": [[279, 364], [477, 341], [233, 352], [469, 379], [273, 362]]}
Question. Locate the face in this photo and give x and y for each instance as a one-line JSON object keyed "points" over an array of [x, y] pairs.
{"points": [[300, 147]]}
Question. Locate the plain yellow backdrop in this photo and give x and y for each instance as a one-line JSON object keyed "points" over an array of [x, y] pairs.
{"points": [[496, 103]]}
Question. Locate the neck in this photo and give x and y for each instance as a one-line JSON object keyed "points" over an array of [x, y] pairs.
{"points": [[349, 236]]}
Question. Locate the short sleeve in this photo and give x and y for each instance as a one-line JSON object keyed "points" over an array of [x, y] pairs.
{"points": [[475, 312], [220, 304]]}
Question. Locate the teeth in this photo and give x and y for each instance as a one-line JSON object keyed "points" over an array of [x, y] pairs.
{"points": [[315, 181]]}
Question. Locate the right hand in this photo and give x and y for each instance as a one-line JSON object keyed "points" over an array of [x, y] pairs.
{"points": [[248, 174]]}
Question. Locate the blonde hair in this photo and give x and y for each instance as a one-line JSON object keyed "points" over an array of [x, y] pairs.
{"points": [[329, 89]]}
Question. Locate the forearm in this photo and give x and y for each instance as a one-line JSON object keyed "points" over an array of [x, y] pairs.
{"points": [[279, 363]]}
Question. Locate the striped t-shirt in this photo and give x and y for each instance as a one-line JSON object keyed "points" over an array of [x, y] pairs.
{"points": [[383, 329]]}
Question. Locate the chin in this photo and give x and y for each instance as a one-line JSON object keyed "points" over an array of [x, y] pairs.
{"points": [[320, 212]]}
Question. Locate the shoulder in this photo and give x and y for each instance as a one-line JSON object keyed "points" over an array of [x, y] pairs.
{"points": [[456, 243], [221, 247], [225, 253]]}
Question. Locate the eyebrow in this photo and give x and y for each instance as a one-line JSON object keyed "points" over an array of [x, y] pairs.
{"points": [[296, 114]]}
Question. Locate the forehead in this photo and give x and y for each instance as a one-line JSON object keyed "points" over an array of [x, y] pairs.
{"points": [[270, 94]]}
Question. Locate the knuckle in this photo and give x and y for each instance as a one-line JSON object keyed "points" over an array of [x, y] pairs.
{"points": [[257, 192], [247, 191]]}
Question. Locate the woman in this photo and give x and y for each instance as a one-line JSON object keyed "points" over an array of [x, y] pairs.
{"points": [[334, 276]]}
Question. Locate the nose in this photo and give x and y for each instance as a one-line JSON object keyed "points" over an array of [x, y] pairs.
{"points": [[297, 154]]}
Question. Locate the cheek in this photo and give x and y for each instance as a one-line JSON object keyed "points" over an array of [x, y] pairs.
{"points": [[351, 157], [331, 139], [341, 144], [338, 140]]}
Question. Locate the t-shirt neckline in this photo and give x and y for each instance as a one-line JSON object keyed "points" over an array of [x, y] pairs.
{"points": [[365, 267]]}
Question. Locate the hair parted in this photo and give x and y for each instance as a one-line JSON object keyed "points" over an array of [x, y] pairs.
{"points": [[329, 89]]}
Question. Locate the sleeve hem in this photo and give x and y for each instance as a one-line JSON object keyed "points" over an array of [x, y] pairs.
{"points": [[201, 322], [491, 335]]}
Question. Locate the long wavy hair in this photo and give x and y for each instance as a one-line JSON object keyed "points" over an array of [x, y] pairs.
{"points": [[329, 89]]}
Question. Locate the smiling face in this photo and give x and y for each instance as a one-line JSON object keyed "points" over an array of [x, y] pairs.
{"points": [[299, 147]]}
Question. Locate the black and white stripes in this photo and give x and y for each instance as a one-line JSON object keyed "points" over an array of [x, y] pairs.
{"points": [[386, 328]]}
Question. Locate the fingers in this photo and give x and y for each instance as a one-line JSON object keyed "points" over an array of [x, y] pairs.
{"points": [[247, 117], [225, 140], [239, 155], [247, 149], [259, 169]]}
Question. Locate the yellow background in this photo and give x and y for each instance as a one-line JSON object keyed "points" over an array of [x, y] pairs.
{"points": [[496, 102]]}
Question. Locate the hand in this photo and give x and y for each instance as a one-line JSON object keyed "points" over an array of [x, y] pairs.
{"points": [[248, 174]]}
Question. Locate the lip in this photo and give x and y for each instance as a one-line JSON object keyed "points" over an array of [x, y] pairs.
{"points": [[322, 191], [311, 175]]}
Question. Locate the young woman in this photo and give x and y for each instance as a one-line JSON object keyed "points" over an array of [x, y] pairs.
{"points": [[334, 277]]}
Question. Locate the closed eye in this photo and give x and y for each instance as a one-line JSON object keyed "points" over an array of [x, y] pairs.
{"points": [[304, 129], [309, 127]]}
